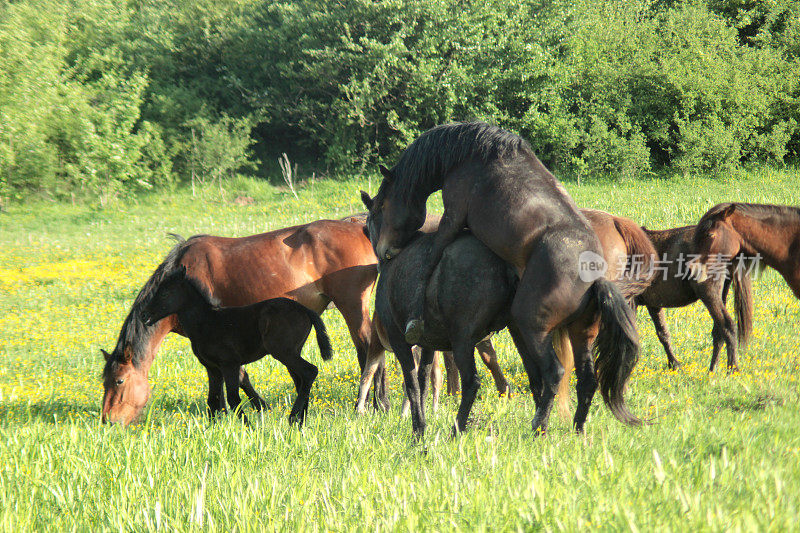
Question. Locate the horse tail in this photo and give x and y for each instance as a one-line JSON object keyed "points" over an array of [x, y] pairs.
{"points": [[134, 332], [323, 340], [743, 305], [616, 348], [563, 348], [639, 248]]}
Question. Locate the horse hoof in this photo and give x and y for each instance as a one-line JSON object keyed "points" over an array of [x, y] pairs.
{"points": [[414, 331]]}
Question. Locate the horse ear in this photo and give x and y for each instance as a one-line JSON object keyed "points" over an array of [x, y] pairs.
{"points": [[387, 174], [366, 199], [106, 355], [728, 211], [127, 354]]}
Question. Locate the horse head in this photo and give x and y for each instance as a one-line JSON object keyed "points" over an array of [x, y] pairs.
{"points": [[391, 222], [126, 388], [715, 236]]}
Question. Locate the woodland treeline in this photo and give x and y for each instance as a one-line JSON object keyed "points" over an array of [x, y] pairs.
{"points": [[102, 97]]}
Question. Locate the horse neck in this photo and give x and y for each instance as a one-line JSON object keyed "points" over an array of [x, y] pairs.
{"points": [[771, 241], [153, 341], [195, 311]]}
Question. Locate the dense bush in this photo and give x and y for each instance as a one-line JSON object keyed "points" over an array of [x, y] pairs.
{"points": [[103, 98]]}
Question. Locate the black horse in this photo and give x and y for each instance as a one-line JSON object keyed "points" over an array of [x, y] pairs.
{"points": [[224, 339], [492, 183], [468, 298]]}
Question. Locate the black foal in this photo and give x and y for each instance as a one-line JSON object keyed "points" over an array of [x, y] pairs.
{"points": [[225, 338]]}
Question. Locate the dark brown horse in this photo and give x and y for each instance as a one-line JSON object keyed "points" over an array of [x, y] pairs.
{"points": [[492, 183], [770, 233], [679, 281], [315, 264]]}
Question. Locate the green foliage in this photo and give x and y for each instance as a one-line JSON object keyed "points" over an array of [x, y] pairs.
{"points": [[618, 88]]}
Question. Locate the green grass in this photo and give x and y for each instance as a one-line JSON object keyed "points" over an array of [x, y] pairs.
{"points": [[723, 453]]}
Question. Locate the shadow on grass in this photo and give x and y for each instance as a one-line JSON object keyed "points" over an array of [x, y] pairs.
{"points": [[754, 402]]}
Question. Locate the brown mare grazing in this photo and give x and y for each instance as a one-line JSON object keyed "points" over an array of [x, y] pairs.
{"points": [[492, 183], [226, 338], [315, 264], [676, 284], [769, 232]]}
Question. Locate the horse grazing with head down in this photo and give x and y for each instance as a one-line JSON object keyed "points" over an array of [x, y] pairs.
{"points": [[226, 338], [769, 233], [326, 261], [493, 184]]}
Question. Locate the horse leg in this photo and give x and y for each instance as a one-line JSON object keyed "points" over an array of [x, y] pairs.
{"points": [[231, 377], [416, 353], [403, 352], [216, 401], [532, 371], [424, 372], [256, 400], [356, 315], [724, 330], [582, 336], [464, 354], [659, 321], [489, 356], [451, 224], [375, 360], [303, 374], [547, 295], [436, 379], [450, 368]]}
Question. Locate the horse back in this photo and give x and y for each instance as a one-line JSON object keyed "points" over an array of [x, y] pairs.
{"points": [[294, 262]]}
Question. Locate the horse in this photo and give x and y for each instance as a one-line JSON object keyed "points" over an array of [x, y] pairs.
{"points": [[768, 234], [316, 264], [226, 338], [680, 282], [493, 184], [469, 296], [622, 240], [629, 254], [467, 299]]}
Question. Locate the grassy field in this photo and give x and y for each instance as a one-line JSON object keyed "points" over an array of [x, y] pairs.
{"points": [[723, 454]]}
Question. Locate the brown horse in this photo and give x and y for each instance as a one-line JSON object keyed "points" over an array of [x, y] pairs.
{"points": [[315, 264], [679, 281], [492, 183], [770, 233]]}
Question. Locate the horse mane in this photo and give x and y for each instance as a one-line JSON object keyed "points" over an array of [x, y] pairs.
{"points": [[134, 332], [757, 211], [426, 161]]}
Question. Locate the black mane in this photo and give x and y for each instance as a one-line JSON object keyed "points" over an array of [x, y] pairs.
{"points": [[428, 159], [134, 332]]}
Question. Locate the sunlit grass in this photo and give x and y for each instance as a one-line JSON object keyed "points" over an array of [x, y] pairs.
{"points": [[723, 452]]}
